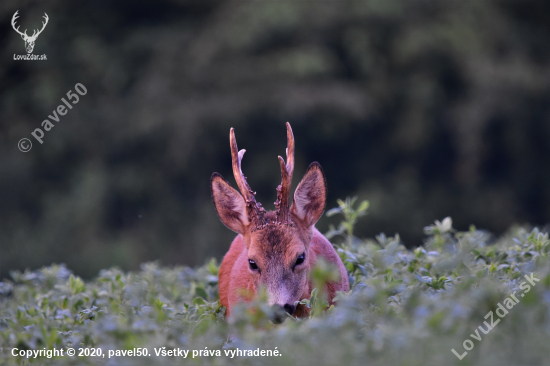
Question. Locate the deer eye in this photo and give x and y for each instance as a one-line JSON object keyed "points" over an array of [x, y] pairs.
{"points": [[300, 259], [253, 265]]}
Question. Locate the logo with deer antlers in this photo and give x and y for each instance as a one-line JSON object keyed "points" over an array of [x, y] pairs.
{"points": [[29, 40]]}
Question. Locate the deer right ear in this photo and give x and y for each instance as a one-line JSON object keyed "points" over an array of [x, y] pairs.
{"points": [[310, 196], [230, 205]]}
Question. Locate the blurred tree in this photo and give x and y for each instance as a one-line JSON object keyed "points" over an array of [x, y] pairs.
{"points": [[425, 108]]}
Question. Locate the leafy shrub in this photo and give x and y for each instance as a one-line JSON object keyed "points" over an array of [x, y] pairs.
{"points": [[404, 307]]}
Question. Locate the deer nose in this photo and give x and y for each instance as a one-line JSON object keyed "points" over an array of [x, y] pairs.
{"points": [[290, 308]]}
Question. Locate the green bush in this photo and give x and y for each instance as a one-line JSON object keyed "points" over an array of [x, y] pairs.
{"points": [[404, 308]]}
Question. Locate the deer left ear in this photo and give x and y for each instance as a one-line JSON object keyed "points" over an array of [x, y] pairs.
{"points": [[229, 204], [310, 196]]}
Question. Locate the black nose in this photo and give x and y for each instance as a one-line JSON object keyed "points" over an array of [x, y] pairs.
{"points": [[290, 308], [278, 316]]}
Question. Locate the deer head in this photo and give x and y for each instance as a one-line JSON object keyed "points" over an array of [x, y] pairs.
{"points": [[277, 242], [29, 41]]}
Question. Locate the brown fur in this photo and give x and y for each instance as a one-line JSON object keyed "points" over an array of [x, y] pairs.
{"points": [[234, 273], [274, 240]]}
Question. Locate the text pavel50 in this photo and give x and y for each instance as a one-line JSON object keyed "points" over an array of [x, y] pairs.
{"points": [[61, 110]]}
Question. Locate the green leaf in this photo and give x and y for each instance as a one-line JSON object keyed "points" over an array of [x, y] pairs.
{"points": [[363, 207], [76, 285], [199, 291]]}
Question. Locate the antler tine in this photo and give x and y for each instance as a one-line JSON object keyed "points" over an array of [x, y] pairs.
{"points": [[46, 18], [255, 209], [13, 19], [237, 156], [287, 170]]}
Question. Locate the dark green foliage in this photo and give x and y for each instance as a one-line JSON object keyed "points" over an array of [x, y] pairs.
{"points": [[432, 107], [405, 307]]}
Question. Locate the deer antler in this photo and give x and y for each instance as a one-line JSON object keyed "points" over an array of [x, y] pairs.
{"points": [[35, 34], [255, 209], [283, 190], [15, 16]]}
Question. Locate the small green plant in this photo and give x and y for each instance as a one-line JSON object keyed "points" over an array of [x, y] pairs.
{"points": [[351, 214], [321, 274], [405, 306]]}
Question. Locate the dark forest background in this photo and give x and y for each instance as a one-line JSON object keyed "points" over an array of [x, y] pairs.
{"points": [[425, 108]]}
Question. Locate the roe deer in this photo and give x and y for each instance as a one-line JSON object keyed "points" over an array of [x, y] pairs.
{"points": [[276, 249]]}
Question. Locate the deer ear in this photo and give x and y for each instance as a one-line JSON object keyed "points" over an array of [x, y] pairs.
{"points": [[229, 204], [310, 196]]}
